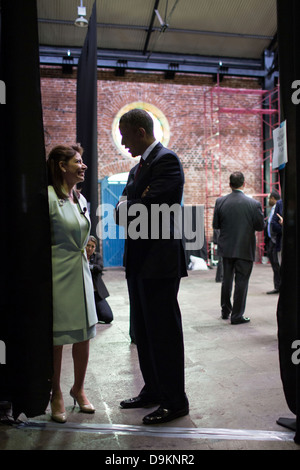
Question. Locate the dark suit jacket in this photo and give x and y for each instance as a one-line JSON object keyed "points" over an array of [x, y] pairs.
{"points": [[163, 257], [238, 217], [96, 271]]}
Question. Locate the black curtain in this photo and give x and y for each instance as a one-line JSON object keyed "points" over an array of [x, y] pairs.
{"points": [[87, 115], [25, 286], [288, 311]]}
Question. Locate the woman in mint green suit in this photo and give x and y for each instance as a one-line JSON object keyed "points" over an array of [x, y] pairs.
{"points": [[74, 313]]}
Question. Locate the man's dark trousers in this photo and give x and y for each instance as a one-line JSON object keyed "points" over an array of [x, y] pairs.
{"points": [[240, 269], [157, 325], [272, 254]]}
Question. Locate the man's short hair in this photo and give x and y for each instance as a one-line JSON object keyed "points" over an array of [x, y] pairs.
{"points": [[138, 118], [275, 194], [236, 180]]}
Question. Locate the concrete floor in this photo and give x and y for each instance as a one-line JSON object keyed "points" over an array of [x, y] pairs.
{"points": [[232, 381]]}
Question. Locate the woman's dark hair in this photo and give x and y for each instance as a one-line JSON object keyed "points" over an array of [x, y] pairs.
{"points": [[93, 239], [60, 153]]}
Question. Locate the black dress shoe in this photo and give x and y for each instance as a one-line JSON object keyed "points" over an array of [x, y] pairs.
{"points": [[240, 321], [163, 415], [136, 402]]}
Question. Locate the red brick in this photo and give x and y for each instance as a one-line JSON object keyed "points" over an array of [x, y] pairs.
{"points": [[183, 101]]}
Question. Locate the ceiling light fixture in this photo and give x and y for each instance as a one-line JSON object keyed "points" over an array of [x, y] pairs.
{"points": [[163, 25], [81, 21]]}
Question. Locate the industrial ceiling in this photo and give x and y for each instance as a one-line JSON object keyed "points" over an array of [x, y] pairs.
{"points": [[195, 36]]}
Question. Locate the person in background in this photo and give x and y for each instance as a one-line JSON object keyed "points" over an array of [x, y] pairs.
{"points": [[103, 309], [237, 216], [271, 243], [276, 224], [74, 312]]}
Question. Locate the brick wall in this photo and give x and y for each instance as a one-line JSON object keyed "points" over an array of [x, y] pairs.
{"points": [[193, 114]]}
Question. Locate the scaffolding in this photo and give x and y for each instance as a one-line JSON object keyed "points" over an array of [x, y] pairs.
{"points": [[262, 105]]}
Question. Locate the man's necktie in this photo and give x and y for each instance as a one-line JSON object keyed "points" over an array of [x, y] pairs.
{"points": [[139, 168]]}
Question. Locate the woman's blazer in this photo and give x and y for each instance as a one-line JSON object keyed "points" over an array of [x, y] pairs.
{"points": [[73, 292]]}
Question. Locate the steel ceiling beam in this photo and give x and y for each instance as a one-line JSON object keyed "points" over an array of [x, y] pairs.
{"points": [[150, 29], [159, 62]]}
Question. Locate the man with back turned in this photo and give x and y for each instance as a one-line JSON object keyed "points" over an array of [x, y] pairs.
{"points": [[154, 266], [238, 217]]}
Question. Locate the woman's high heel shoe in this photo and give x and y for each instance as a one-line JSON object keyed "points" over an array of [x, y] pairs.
{"points": [[59, 417], [85, 408]]}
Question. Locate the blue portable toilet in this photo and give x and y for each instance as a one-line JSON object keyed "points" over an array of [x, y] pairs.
{"points": [[112, 235]]}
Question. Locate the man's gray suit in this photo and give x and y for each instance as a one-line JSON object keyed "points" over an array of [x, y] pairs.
{"points": [[238, 217]]}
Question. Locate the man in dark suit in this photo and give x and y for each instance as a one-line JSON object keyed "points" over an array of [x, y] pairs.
{"points": [[155, 262], [271, 243], [238, 217], [276, 225]]}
